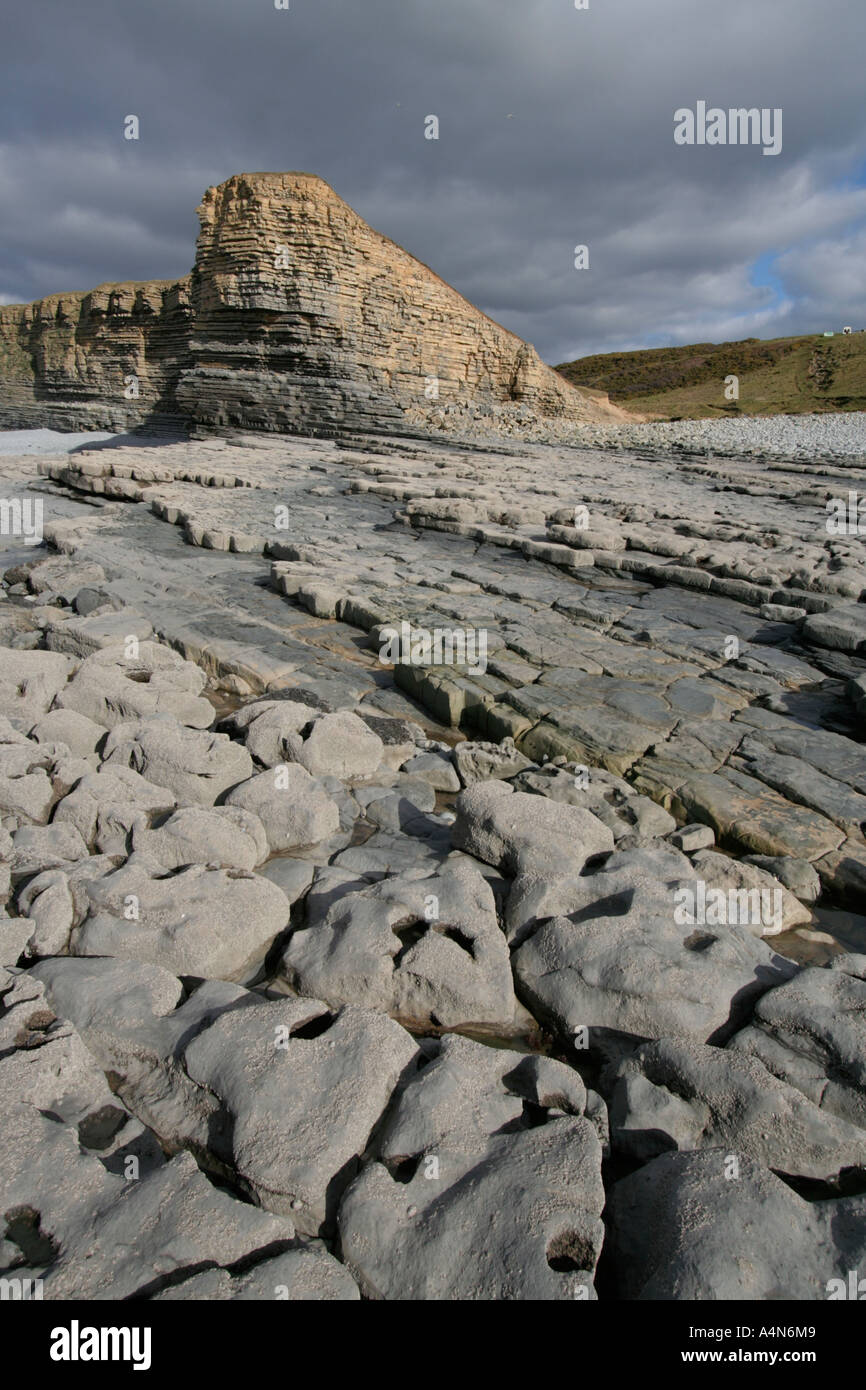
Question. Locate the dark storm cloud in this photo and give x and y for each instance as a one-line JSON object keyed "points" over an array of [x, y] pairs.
{"points": [[556, 128]]}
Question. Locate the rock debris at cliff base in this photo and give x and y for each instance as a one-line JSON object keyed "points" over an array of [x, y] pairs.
{"points": [[329, 979]]}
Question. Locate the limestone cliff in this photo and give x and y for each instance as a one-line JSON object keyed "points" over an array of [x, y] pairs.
{"points": [[108, 359], [297, 317]]}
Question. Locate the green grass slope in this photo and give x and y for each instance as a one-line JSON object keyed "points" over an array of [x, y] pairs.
{"points": [[777, 376]]}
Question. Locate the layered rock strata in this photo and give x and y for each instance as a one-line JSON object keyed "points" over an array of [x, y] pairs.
{"points": [[108, 359], [297, 317]]}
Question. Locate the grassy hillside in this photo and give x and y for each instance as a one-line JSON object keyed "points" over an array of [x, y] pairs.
{"points": [[777, 376]]}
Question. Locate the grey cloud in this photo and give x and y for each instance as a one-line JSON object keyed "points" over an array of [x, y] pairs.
{"points": [[556, 129]]}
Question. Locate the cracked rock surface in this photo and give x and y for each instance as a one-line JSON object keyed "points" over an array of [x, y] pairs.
{"points": [[331, 973]]}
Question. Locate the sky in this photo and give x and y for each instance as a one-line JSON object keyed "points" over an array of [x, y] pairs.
{"points": [[556, 129]]}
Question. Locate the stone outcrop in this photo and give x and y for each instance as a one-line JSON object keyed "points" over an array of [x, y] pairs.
{"points": [[304, 996], [297, 317], [74, 361]]}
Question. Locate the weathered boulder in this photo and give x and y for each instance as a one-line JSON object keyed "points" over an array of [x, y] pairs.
{"points": [[466, 1093], [811, 1033], [197, 766], [760, 900], [56, 900], [307, 1274], [514, 830], [15, 932], [135, 1021], [282, 1094], [293, 807], [797, 875], [336, 745], [305, 1090], [434, 768], [32, 777], [30, 683], [679, 1094], [135, 1239], [112, 688], [522, 1223], [106, 806], [210, 923], [83, 1229], [535, 897], [225, 836], [36, 848], [81, 734], [480, 762], [634, 970], [267, 724], [426, 950], [683, 1228]]}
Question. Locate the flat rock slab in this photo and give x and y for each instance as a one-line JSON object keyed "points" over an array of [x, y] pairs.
{"points": [[843, 872], [800, 782], [843, 628], [745, 813], [839, 757]]}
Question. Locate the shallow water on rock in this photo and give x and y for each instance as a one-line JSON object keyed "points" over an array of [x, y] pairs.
{"points": [[834, 932], [848, 928]]}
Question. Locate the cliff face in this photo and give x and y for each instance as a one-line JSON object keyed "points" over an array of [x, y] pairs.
{"points": [[297, 317], [76, 361]]}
